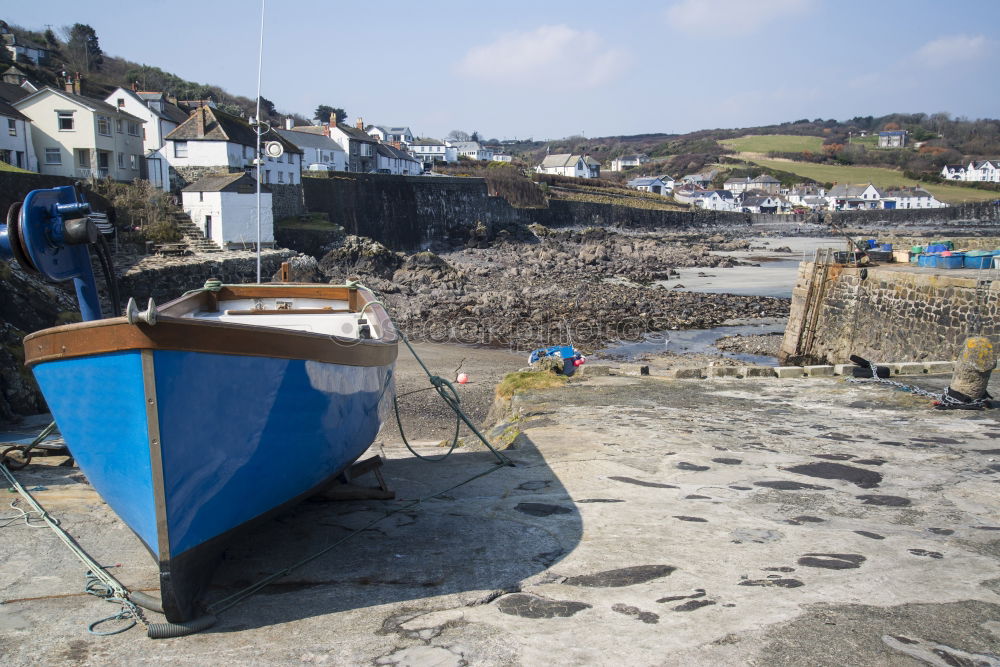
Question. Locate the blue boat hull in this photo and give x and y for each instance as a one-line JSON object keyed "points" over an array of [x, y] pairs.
{"points": [[189, 447]]}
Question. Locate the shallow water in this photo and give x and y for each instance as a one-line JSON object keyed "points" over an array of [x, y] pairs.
{"points": [[696, 341], [774, 277]]}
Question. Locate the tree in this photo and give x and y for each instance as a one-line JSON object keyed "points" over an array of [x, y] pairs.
{"points": [[50, 39], [82, 46], [323, 112], [457, 135], [267, 108], [474, 136]]}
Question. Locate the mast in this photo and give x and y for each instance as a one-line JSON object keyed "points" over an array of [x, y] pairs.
{"points": [[260, 61]]}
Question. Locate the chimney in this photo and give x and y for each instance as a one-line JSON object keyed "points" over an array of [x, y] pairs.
{"points": [[68, 79], [326, 129], [360, 124], [199, 115], [135, 86], [76, 84], [289, 123]]}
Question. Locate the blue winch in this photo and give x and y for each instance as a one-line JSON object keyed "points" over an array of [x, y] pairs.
{"points": [[49, 234]]}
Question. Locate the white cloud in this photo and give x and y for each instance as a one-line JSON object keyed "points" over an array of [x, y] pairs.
{"points": [[555, 56], [731, 17], [953, 50]]}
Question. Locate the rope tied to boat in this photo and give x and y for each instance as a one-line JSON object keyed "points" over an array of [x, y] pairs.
{"points": [[99, 581], [211, 285]]}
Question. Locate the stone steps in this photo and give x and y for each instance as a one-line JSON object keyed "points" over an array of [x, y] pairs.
{"points": [[193, 235]]}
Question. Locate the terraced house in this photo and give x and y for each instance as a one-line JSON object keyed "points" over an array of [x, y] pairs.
{"points": [[80, 137]]}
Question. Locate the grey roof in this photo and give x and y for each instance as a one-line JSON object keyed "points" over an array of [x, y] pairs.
{"points": [[766, 178], [908, 192], [467, 145], [591, 161], [386, 129], [221, 126], [559, 160], [644, 182], [88, 102], [424, 141], [238, 182], [171, 112], [733, 181], [756, 201], [845, 190], [310, 139], [723, 194], [10, 112], [892, 133], [355, 133]]}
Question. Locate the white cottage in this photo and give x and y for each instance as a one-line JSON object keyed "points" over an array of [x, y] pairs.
{"points": [[224, 207], [80, 137], [429, 151], [15, 142], [911, 198], [319, 151], [212, 138], [564, 164], [162, 117]]}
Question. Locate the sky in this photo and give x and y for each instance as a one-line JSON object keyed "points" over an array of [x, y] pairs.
{"points": [[547, 69]]}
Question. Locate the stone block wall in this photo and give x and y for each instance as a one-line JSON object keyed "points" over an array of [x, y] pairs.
{"points": [[888, 313], [286, 200], [165, 279]]}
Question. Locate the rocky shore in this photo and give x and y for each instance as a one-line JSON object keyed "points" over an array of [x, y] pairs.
{"points": [[588, 287]]}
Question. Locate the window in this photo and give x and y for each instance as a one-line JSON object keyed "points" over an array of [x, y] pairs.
{"points": [[133, 161], [104, 125], [121, 160], [65, 121], [121, 102], [180, 149], [12, 127], [201, 196], [53, 156], [267, 175], [281, 177], [118, 125], [291, 179], [133, 128]]}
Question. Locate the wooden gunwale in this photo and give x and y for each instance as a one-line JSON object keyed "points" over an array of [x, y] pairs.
{"points": [[173, 332]]}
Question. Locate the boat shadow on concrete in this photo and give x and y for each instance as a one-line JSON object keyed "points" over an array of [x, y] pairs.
{"points": [[484, 536]]}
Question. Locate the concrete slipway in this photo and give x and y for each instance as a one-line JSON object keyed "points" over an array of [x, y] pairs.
{"points": [[648, 522]]}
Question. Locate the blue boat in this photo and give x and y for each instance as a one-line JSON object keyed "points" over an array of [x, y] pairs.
{"points": [[218, 410]]}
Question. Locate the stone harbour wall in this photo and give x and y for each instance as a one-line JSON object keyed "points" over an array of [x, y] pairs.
{"points": [[165, 279], [888, 313]]}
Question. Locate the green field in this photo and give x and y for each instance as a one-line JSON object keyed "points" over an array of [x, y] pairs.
{"points": [[877, 176], [782, 143]]}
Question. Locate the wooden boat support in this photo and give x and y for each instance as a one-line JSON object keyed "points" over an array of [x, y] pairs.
{"points": [[344, 487]]}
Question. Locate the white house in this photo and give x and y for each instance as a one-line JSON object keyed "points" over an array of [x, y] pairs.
{"points": [[624, 162], [429, 151], [213, 138], [953, 172], [80, 137], [319, 152], [161, 118], [224, 207], [502, 157], [760, 204], [388, 134], [359, 146], [852, 197], [473, 150], [652, 184], [805, 195], [392, 160], [910, 198], [715, 200], [738, 185], [564, 164], [15, 138], [985, 171], [892, 139], [22, 49]]}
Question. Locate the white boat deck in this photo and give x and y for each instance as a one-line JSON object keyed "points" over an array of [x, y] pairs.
{"points": [[323, 316]]}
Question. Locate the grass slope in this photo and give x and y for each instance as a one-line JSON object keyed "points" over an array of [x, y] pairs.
{"points": [[9, 167], [784, 143], [878, 176]]}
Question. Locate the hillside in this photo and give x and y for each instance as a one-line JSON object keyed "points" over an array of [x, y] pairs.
{"points": [[78, 50]]}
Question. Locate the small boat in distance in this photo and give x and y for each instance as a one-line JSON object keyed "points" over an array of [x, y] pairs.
{"points": [[216, 410]]}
